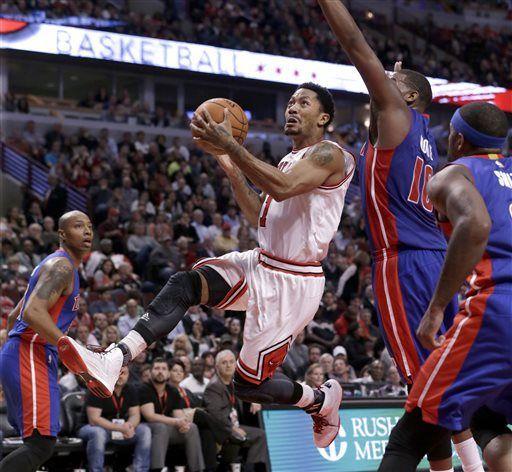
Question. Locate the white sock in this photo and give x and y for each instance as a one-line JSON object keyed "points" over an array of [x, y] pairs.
{"points": [[469, 456], [308, 397], [447, 470], [135, 343]]}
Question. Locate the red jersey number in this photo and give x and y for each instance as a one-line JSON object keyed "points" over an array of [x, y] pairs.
{"points": [[266, 206], [414, 192]]}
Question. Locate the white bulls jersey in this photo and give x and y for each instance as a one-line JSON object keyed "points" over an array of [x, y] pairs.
{"points": [[300, 228]]}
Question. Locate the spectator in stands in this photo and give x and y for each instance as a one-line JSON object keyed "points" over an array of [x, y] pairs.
{"points": [[297, 357], [321, 331], [32, 138], [35, 232], [182, 343], [225, 242], [235, 331], [49, 236], [394, 386], [103, 304], [55, 134], [327, 363], [105, 276], [200, 342], [211, 429], [100, 324], [314, 376], [341, 370], [85, 337], [112, 230], [164, 261], [196, 382], [98, 256], [140, 241], [115, 419], [110, 336], [27, 257], [356, 348], [56, 198], [161, 407], [197, 224], [82, 316], [177, 150], [209, 364], [53, 155], [220, 402], [128, 321]]}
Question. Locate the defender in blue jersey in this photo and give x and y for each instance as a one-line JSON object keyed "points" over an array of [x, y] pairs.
{"points": [[471, 367], [28, 360], [407, 246]]}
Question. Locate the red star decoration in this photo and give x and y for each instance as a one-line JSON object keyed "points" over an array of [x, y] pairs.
{"points": [[261, 67], [295, 73], [278, 70]]}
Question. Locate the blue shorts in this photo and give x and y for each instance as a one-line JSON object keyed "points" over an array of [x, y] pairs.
{"points": [[403, 284], [473, 367], [28, 372]]}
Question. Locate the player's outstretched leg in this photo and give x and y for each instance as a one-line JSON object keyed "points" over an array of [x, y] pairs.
{"points": [[101, 370], [322, 403]]}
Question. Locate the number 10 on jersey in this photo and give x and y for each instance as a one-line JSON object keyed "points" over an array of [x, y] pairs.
{"points": [[414, 192]]}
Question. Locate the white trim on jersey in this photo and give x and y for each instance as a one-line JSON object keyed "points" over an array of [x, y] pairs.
{"points": [[384, 266], [441, 360]]}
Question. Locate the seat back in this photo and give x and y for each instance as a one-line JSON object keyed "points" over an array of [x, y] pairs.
{"points": [[72, 406]]}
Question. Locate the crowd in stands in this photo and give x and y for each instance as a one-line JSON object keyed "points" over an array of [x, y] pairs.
{"points": [[298, 29]]}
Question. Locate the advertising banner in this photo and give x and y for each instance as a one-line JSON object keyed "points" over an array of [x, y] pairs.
{"points": [[359, 447], [107, 46]]}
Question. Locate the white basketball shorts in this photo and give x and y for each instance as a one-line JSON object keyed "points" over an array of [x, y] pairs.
{"points": [[280, 297]]}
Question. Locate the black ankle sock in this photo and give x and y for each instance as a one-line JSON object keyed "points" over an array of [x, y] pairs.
{"points": [[127, 355]]}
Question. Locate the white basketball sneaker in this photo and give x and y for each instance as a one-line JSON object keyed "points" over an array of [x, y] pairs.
{"points": [[99, 370], [326, 423]]}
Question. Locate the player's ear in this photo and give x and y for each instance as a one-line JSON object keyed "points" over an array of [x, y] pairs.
{"points": [[411, 97], [459, 142], [323, 119]]}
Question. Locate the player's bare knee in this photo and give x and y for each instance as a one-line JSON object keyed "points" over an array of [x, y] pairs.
{"points": [[498, 453]]}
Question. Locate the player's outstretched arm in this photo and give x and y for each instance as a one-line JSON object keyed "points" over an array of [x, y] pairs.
{"points": [[55, 277], [454, 195], [384, 93], [248, 200]]}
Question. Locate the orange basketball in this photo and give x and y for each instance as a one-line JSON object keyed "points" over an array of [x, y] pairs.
{"points": [[237, 117]]}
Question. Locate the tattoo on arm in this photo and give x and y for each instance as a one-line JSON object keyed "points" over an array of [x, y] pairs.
{"points": [[321, 154], [55, 280]]}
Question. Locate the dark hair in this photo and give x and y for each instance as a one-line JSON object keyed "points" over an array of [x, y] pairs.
{"points": [[179, 362], [311, 346], [324, 97], [420, 83], [485, 118], [159, 360]]}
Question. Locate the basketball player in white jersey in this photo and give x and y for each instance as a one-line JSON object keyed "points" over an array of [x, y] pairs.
{"points": [[280, 284]]}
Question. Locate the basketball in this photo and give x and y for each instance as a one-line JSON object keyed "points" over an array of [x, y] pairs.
{"points": [[237, 117]]}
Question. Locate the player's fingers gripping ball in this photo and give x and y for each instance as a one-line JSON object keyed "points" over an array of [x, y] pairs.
{"points": [[216, 109]]}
